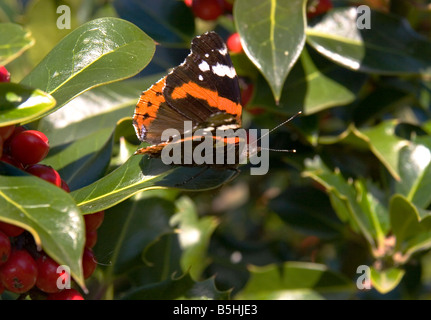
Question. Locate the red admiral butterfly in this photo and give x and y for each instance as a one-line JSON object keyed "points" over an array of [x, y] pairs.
{"points": [[203, 90]]}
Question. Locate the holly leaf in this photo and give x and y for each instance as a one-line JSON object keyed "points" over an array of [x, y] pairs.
{"points": [[390, 46], [98, 52], [140, 173], [295, 281], [20, 104], [48, 213], [273, 35]]}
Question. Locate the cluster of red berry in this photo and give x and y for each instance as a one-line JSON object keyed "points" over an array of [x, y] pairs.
{"points": [[209, 9], [23, 269]]}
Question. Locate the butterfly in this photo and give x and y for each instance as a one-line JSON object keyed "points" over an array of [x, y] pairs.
{"points": [[203, 90]]}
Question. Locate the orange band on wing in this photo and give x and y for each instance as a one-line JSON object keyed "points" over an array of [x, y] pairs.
{"points": [[212, 97], [148, 105]]}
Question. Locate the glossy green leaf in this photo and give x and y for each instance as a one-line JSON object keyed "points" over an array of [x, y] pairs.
{"points": [[314, 84], [349, 201], [412, 232], [273, 36], [381, 140], [389, 46], [20, 104], [97, 109], [82, 161], [81, 133], [48, 213], [14, 40], [194, 235], [295, 281], [387, 280], [101, 51], [140, 173], [386, 145], [415, 172]]}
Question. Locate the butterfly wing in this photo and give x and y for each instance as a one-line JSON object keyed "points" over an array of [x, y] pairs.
{"points": [[204, 86], [153, 115], [206, 83]]}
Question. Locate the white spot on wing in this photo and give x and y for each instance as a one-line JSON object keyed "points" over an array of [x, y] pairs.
{"points": [[142, 134], [223, 51], [224, 70], [227, 127], [206, 55], [204, 66], [201, 78]]}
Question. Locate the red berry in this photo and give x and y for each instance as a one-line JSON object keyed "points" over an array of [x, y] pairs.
{"points": [[234, 43], [64, 186], [89, 262], [47, 275], [67, 294], [90, 238], [19, 273], [8, 159], [6, 132], [318, 8], [188, 3], [14, 133], [94, 220], [208, 9], [4, 248], [10, 230], [46, 173], [4, 74], [29, 147]]}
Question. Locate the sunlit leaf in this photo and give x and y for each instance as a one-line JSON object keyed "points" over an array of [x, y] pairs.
{"points": [[101, 51], [389, 46], [273, 35], [20, 104]]}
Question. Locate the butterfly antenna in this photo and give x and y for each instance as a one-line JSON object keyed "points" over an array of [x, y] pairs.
{"points": [[275, 128], [278, 126], [279, 150]]}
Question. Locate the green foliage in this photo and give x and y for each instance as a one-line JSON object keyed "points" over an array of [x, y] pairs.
{"points": [[356, 192]]}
